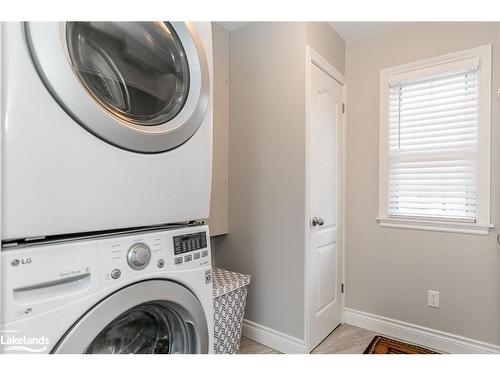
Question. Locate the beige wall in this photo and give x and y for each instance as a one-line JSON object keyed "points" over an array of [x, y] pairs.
{"points": [[327, 43], [266, 173], [218, 221], [390, 270]]}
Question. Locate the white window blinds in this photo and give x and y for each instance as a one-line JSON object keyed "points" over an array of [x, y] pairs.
{"points": [[433, 136]]}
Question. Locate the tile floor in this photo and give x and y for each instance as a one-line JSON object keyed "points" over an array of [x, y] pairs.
{"points": [[346, 339]]}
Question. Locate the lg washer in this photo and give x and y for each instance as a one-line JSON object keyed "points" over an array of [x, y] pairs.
{"points": [[143, 292]]}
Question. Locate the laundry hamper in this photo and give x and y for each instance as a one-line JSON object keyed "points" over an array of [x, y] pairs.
{"points": [[230, 295]]}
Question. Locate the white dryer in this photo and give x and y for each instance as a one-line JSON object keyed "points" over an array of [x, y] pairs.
{"points": [[105, 125], [146, 292]]}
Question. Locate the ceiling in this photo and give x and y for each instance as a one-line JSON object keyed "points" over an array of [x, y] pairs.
{"points": [[353, 31], [232, 25], [349, 31]]}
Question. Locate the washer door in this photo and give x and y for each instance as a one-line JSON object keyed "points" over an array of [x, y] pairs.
{"points": [[150, 317], [141, 86]]}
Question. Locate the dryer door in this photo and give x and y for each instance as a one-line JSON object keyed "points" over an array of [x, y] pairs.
{"points": [[150, 317], [141, 86]]}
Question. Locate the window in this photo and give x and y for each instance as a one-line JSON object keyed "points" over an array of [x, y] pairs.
{"points": [[435, 143]]}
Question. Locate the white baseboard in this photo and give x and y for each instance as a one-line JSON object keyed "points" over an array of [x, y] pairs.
{"points": [[439, 340], [274, 339]]}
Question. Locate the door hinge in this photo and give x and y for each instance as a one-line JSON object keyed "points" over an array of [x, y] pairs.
{"points": [[343, 107], [342, 288]]}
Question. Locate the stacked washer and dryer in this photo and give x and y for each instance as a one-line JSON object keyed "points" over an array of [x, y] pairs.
{"points": [[106, 157]]}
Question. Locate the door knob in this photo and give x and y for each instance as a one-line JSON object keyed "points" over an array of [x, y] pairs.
{"points": [[317, 221]]}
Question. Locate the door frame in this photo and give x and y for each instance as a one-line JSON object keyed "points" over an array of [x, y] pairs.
{"points": [[1, 174], [312, 57]]}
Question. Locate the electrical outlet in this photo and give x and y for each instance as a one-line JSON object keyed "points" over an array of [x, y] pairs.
{"points": [[433, 299]]}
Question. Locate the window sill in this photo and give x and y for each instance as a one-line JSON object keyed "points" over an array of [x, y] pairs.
{"points": [[436, 226]]}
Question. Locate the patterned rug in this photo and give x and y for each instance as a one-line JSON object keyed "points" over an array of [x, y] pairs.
{"points": [[384, 345]]}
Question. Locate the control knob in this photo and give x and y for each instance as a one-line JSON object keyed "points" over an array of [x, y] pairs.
{"points": [[138, 256]]}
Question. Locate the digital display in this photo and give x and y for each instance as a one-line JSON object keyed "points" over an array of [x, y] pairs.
{"points": [[190, 242]]}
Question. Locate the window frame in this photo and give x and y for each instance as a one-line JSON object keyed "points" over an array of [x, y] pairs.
{"points": [[424, 68]]}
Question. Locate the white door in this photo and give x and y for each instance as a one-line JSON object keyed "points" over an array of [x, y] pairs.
{"points": [[324, 160]]}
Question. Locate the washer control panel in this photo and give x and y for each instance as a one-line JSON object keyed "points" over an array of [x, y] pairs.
{"points": [[123, 257], [189, 247], [43, 277], [138, 256], [190, 242]]}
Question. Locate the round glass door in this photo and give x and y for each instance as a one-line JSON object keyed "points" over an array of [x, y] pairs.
{"points": [[149, 317], [137, 71], [150, 328], [140, 86]]}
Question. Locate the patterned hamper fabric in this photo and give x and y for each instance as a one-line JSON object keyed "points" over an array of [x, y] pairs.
{"points": [[230, 295]]}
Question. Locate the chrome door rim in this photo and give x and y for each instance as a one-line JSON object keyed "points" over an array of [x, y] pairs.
{"points": [[77, 339], [49, 51]]}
